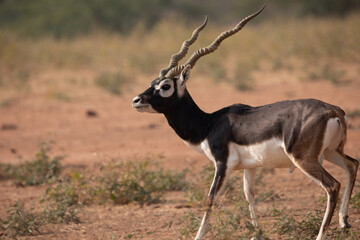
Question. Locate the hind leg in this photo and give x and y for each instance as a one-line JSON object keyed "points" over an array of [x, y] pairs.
{"points": [[350, 166], [316, 172]]}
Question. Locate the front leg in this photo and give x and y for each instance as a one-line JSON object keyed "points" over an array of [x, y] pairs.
{"points": [[249, 189], [220, 177]]}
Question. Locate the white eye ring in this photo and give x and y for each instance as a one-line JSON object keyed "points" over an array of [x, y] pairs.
{"points": [[165, 88]]}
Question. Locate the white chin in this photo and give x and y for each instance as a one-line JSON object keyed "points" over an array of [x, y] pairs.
{"points": [[146, 108]]}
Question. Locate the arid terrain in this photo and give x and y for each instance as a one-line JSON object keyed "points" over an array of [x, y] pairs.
{"points": [[119, 132], [75, 95]]}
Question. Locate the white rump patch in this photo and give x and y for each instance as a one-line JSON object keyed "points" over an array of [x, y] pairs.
{"points": [[333, 135]]}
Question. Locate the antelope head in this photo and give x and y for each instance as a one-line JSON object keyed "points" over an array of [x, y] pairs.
{"points": [[167, 89]]}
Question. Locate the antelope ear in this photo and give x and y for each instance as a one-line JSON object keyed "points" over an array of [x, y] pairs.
{"points": [[181, 82], [184, 75]]}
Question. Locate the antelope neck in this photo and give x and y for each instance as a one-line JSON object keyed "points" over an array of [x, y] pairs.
{"points": [[188, 121]]}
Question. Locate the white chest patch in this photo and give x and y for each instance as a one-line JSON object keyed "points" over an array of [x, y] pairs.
{"points": [[203, 147], [270, 154]]}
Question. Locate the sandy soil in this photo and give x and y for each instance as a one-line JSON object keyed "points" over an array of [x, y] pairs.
{"points": [[120, 132]]}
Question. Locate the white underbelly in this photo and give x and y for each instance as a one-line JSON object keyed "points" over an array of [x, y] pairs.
{"points": [[269, 154]]}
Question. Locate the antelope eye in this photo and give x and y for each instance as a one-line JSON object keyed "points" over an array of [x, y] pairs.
{"points": [[165, 87]]}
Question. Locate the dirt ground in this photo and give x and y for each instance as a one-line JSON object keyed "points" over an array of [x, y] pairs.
{"points": [[120, 132]]}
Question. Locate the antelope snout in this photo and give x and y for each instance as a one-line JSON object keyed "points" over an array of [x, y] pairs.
{"points": [[136, 100], [137, 103], [140, 106]]}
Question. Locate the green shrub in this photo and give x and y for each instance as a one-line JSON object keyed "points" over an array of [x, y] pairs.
{"points": [[65, 198], [231, 224], [20, 222], [193, 223], [307, 228], [38, 171], [125, 182], [69, 18], [287, 226], [61, 212], [117, 182]]}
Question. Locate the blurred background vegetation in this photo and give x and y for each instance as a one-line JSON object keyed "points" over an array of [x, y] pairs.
{"points": [[69, 18], [118, 40]]}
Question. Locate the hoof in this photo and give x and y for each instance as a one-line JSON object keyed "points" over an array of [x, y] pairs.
{"points": [[346, 228], [347, 225]]}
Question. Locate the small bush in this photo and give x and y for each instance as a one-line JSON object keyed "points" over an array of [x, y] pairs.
{"points": [[61, 212], [23, 223], [20, 222], [64, 199], [70, 191], [118, 182], [284, 224], [193, 224], [230, 224], [125, 182], [287, 226], [41, 170], [308, 228]]}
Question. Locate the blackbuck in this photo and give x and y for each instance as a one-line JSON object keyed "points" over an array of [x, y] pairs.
{"points": [[288, 134]]}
